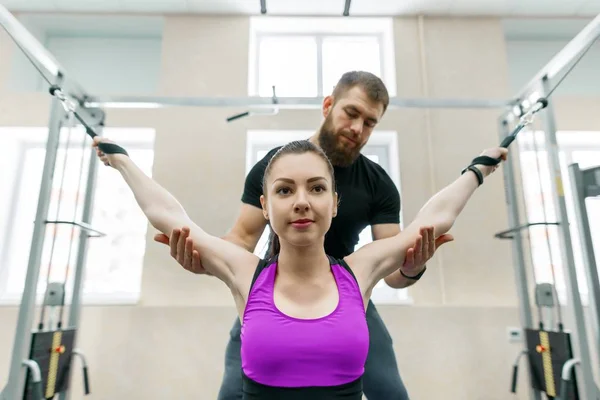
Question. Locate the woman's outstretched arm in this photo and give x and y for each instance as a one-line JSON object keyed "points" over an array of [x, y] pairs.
{"points": [[380, 258], [221, 258]]}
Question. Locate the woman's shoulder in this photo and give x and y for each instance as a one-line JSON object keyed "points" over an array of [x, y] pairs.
{"points": [[263, 263], [342, 263]]}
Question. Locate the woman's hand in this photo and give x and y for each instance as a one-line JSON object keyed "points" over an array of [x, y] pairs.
{"points": [[111, 160], [494, 152]]}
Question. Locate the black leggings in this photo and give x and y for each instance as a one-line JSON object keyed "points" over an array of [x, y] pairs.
{"points": [[381, 380]]}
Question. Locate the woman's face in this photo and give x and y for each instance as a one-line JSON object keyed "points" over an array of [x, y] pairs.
{"points": [[299, 199]]}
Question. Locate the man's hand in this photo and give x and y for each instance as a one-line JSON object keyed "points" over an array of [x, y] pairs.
{"points": [[423, 250], [182, 250]]}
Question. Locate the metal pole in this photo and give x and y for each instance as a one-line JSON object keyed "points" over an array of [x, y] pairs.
{"points": [[75, 307], [579, 43], [586, 385], [28, 43], [38, 54], [22, 342], [308, 103], [518, 253], [580, 192]]}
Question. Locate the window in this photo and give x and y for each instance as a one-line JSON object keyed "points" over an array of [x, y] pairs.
{"points": [[281, 58], [575, 147], [305, 57], [382, 148], [113, 265]]}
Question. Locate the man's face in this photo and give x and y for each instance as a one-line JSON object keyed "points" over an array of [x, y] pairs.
{"points": [[348, 125]]}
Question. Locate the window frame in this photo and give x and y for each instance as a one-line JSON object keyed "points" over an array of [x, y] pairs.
{"points": [[382, 143], [319, 37], [320, 29], [38, 141]]}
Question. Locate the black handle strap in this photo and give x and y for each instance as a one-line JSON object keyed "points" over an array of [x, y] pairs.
{"points": [[489, 161], [111, 148], [485, 160], [481, 160]]}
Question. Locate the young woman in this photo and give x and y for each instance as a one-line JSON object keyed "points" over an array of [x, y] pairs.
{"points": [[304, 332]]}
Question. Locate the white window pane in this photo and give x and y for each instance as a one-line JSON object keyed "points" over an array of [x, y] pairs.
{"points": [[348, 53], [545, 249], [263, 242], [114, 263], [587, 158], [260, 154], [17, 254], [373, 157], [290, 64], [593, 209], [541, 238], [365, 237]]}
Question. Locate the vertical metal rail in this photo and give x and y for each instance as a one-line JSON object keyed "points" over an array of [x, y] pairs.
{"points": [[587, 387], [16, 377], [585, 184], [75, 306], [518, 253]]}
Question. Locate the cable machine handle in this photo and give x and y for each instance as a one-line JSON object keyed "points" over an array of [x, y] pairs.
{"points": [[513, 385], [86, 381]]}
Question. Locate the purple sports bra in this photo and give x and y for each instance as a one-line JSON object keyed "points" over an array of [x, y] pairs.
{"points": [[286, 352]]}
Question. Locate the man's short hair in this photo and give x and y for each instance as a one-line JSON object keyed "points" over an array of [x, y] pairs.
{"points": [[370, 83]]}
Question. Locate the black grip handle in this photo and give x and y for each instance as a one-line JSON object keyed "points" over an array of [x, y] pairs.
{"points": [[86, 381], [507, 141], [111, 148], [238, 116], [513, 135], [36, 390], [513, 385]]}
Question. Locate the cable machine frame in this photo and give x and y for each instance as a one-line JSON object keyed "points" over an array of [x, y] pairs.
{"points": [[577, 370]]}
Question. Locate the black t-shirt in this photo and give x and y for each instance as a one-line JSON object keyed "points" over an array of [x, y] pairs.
{"points": [[367, 196]]}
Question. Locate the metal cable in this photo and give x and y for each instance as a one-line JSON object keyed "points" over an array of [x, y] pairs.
{"points": [[589, 46], [545, 213], [58, 207], [75, 211]]}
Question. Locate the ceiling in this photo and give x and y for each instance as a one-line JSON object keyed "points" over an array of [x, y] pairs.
{"points": [[512, 8]]}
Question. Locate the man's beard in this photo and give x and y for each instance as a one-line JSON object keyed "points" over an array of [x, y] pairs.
{"points": [[338, 154]]}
